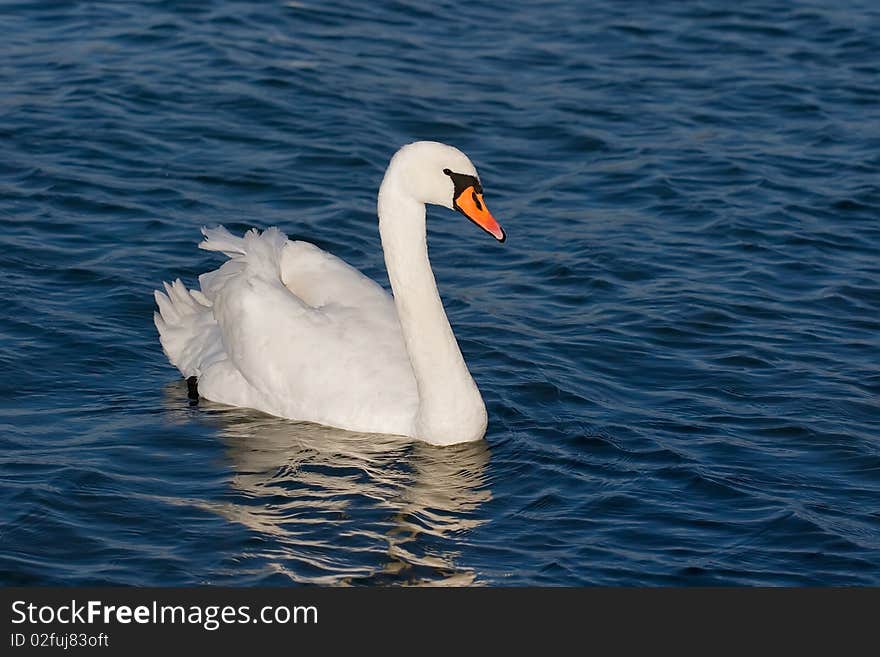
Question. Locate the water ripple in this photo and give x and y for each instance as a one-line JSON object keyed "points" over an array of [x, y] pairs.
{"points": [[678, 344]]}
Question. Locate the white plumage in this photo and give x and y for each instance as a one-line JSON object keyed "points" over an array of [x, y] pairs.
{"points": [[291, 330], [288, 329]]}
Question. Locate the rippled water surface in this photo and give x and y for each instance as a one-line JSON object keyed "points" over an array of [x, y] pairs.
{"points": [[678, 344]]}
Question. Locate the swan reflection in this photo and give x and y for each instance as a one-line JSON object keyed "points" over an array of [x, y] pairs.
{"points": [[337, 507]]}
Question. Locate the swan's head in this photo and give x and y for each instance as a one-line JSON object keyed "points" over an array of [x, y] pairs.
{"points": [[431, 172]]}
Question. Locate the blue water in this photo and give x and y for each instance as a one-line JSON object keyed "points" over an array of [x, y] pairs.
{"points": [[678, 344]]}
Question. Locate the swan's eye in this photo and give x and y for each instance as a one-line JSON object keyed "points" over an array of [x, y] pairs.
{"points": [[476, 201]]}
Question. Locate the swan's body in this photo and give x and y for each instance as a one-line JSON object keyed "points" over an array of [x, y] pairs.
{"points": [[288, 329]]}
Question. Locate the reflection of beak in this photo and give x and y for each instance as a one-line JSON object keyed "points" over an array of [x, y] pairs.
{"points": [[471, 205]]}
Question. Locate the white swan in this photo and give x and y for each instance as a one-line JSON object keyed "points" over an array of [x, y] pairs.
{"points": [[291, 330]]}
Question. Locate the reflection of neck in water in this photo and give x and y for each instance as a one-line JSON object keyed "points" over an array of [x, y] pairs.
{"points": [[328, 499]]}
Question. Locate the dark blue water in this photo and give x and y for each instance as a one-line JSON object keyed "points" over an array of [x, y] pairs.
{"points": [[678, 344]]}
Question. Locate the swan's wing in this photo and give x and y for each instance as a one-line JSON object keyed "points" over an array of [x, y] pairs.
{"points": [[314, 276], [320, 278], [337, 360], [333, 365]]}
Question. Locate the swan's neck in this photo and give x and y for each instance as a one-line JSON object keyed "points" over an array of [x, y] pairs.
{"points": [[451, 409]]}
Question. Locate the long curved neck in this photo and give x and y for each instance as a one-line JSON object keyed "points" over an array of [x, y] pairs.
{"points": [[450, 406]]}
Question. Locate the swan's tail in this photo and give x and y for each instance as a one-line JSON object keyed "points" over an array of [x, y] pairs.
{"points": [[188, 331]]}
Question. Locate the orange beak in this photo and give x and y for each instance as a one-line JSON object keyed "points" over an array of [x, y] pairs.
{"points": [[470, 203]]}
